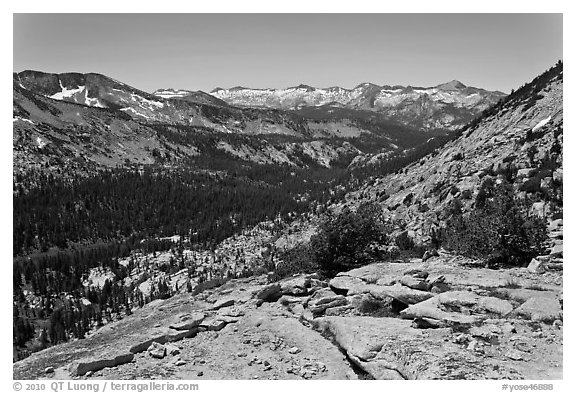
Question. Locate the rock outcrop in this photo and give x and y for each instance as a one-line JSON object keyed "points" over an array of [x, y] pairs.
{"points": [[486, 325]]}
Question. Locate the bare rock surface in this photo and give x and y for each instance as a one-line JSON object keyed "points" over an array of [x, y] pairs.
{"points": [[366, 323], [541, 309], [388, 348]]}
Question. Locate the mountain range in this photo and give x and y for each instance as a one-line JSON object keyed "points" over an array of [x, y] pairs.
{"points": [[443, 107], [446, 106], [91, 120]]}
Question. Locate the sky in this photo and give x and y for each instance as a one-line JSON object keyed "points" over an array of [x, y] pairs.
{"points": [[204, 51]]}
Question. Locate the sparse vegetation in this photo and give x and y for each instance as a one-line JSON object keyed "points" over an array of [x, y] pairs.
{"points": [[499, 228], [349, 239], [378, 308]]}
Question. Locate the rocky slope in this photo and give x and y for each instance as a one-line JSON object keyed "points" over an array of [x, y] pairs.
{"points": [[446, 106], [521, 139], [368, 323]]}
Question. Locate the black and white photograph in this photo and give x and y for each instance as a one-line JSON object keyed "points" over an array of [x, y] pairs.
{"points": [[287, 196]]}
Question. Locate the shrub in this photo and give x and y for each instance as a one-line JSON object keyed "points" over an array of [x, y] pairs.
{"points": [[349, 240], [404, 241], [299, 259], [531, 185], [499, 230], [374, 307]]}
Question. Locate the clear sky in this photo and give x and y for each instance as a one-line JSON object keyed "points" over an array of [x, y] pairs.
{"points": [[204, 51]]}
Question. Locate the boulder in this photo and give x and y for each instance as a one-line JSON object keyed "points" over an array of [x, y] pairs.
{"points": [[515, 354], [432, 309], [270, 292], [294, 350], [286, 300], [414, 283], [440, 288], [416, 273], [323, 296], [556, 235], [526, 172], [488, 332], [538, 209], [345, 283], [495, 305], [320, 305], [297, 309], [371, 273], [339, 310], [172, 349], [220, 303], [399, 292], [188, 321], [556, 265], [233, 312], [558, 175], [214, 325], [459, 299], [387, 281], [536, 266], [540, 309], [95, 364], [557, 250], [297, 286], [157, 350], [429, 254], [143, 341], [435, 280], [556, 224], [456, 306]]}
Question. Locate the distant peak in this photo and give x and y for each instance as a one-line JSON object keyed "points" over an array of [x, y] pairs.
{"points": [[304, 87], [366, 85], [236, 88], [335, 88], [216, 90], [169, 89], [452, 85]]}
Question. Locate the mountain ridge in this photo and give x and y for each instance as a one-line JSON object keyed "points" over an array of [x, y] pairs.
{"points": [[449, 85], [449, 105], [89, 120]]}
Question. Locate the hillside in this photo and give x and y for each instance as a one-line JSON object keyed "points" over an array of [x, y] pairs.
{"points": [[90, 122], [520, 139]]}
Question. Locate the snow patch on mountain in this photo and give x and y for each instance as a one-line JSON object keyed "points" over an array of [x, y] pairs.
{"points": [[171, 93], [67, 93], [542, 123], [18, 118], [40, 142], [92, 101], [141, 101], [135, 112]]}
